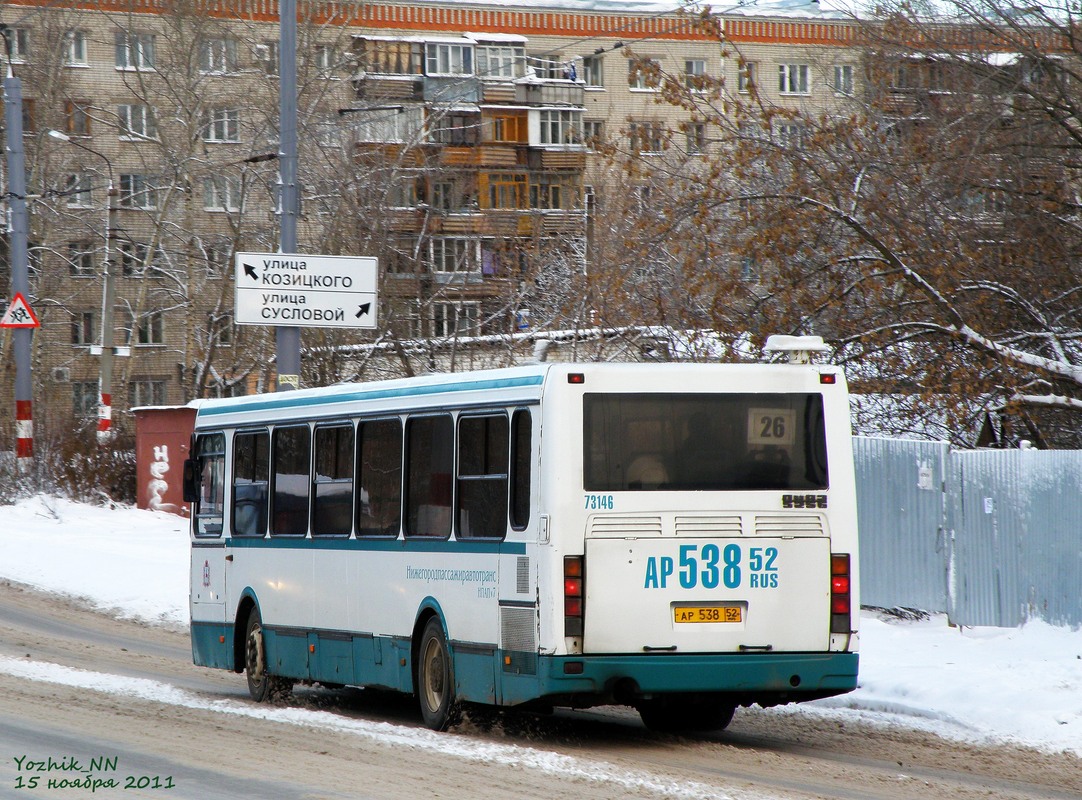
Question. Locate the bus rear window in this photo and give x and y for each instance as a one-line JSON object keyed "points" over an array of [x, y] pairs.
{"points": [[703, 442]]}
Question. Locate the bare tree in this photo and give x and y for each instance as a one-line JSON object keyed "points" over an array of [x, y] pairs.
{"points": [[928, 226]]}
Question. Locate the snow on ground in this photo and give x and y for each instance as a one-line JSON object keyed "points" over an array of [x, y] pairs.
{"points": [[984, 685]]}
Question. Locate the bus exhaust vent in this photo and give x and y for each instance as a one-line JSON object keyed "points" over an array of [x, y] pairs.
{"points": [[518, 639], [614, 527], [802, 525], [522, 575], [708, 526]]}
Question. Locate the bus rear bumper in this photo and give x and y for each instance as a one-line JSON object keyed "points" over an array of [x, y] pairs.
{"points": [[765, 678]]}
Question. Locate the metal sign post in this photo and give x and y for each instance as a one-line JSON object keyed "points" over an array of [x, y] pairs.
{"points": [[20, 266]]}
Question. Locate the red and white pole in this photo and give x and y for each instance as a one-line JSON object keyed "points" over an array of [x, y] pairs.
{"points": [[105, 417], [24, 436]]}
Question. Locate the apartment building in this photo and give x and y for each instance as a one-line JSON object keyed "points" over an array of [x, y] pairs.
{"points": [[460, 143]]}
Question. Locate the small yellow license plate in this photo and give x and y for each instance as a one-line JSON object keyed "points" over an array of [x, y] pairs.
{"points": [[707, 614]]}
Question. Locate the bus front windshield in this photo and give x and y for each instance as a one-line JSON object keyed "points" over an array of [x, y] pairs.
{"points": [[703, 442]]}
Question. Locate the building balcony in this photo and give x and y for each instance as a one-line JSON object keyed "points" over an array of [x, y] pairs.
{"points": [[550, 93]]}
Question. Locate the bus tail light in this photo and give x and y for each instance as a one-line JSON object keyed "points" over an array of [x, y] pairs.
{"points": [[573, 595], [840, 594]]}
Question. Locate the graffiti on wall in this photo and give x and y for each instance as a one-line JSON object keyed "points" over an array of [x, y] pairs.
{"points": [[158, 485]]}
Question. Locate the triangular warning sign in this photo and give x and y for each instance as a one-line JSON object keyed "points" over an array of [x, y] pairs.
{"points": [[19, 314]]}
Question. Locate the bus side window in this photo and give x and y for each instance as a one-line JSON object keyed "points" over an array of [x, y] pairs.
{"points": [[210, 456], [482, 476], [521, 461], [379, 478], [332, 493], [289, 497], [429, 464], [251, 465]]}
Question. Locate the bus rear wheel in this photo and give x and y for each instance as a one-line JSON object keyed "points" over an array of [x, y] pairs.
{"points": [[436, 679], [262, 686], [686, 713]]}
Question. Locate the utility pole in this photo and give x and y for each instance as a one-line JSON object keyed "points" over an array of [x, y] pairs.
{"points": [[18, 242], [288, 339], [108, 294]]}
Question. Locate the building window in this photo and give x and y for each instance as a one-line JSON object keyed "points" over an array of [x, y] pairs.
{"points": [[137, 122], [843, 79], [220, 329], [221, 193], [77, 117], [137, 191], [30, 116], [593, 132], [455, 129], [81, 259], [554, 192], [84, 327], [793, 78], [151, 328], [146, 392], [694, 73], [443, 194], [509, 128], [789, 134], [77, 190], [325, 57], [748, 77], [449, 59], [75, 48], [84, 398], [560, 127], [496, 62], [266, 56], [136, 258], [647, 137], [549, 67], [696, 137], [449, 319], [451, 255], [592, 71], [642, 73], [391, 58], [221, 125], [134, 50], [217, 56], [218, 258], [507, 190], [18, 43]]}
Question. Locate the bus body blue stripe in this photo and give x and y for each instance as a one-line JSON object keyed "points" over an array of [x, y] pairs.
{"points": [[291, 400], [382, 545]]}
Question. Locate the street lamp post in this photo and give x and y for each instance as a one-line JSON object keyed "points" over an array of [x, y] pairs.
{"points": [[107, 350]]}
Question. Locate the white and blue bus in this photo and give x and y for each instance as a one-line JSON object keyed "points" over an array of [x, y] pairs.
{"points": [[679, 538]]}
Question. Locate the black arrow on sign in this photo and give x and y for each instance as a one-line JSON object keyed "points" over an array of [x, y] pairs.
{"points": [[363, 309], [249, 270]]}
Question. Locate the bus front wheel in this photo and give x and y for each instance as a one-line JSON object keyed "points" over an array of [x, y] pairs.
{"points": [[262, 685], [436, 679]]}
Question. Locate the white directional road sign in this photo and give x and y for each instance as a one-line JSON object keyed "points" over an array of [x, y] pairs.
{"points": [[305, 291]]}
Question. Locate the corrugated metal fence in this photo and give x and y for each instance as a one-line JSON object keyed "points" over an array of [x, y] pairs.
{"points": [[991, 537]]}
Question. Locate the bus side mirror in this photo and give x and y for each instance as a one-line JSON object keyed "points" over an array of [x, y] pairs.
{"points": [[191, 480]]}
